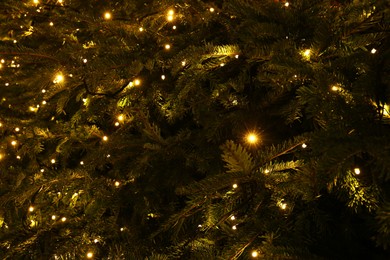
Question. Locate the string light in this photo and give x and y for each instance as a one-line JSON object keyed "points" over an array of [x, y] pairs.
{"points": [[373, 51], [51, 23], [89, 255], [121, 117], [255, 254], [234, 227], [304, 145], [306, 54], [235, 186], [85, 60], [335, 88], [13, 143], [81, 162], [252, 138], [174, 27], [137, 82], [232, 218], [1, 156], [53, 217], [36, 2], [107, 15], [105, 138], [63, 219], [170, 15], [141, 29], [17, 129], [58, 78], [211, 10], [96, 240], [357, 171], [286, 4], [163, 77], [53, 161], [167, 46], [117, 183], [18, 157], [117, 124], [43, 90], [31, 209]]}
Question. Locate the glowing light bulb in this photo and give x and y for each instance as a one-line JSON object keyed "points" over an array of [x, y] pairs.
{"points": [[121, 117], [105, 138], [2, 61], [13, 143], [335, 88], [117, 183], [211, 10], [235, 186], [306, 54], [81, 162], [44, 102], [141, 29], [162, 77], [232, 218], [51, 23], [137, 82], [252, 138], [96, 240], [357, 171], [85, 60], [304, 145], [53, 161], [122, 229], [89, 255], [1, 156], [43, 90], [167, 46], [31, 209], [282, 205], [17, 129], [58, 78], [36, 2], [183, 63], [286, 4], [170, 16], [42, 170], [373, 51], [174, 27], [107, 15], [117, 124], [63, 219], [255, 254], [53, 217], [236, 56], [234, 227]]}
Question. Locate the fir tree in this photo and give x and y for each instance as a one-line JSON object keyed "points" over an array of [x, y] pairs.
{"points": [[228, 129]]}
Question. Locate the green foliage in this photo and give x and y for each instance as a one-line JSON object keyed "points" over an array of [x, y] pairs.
{"points": [[175, 179]]}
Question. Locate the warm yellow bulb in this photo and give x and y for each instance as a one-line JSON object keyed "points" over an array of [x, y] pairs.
{"points": [[141, 29], [306, 54], [36, 2], [137, 82], [17, 129], [31, 209], [304, 145], [53, 217], [51, 23], [357, 171], [212, 9], [107, 15], [286, 4], [89, 255], [63, 219], [232, 218], [117, 183], [13, 143], [1, 156], [373, 51], [255, 254], [105, 138], [235, 186], [252, 138], [167, 46], [121, 117], [234, 227], [171, 12], [58, 78], [53, 161]]}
